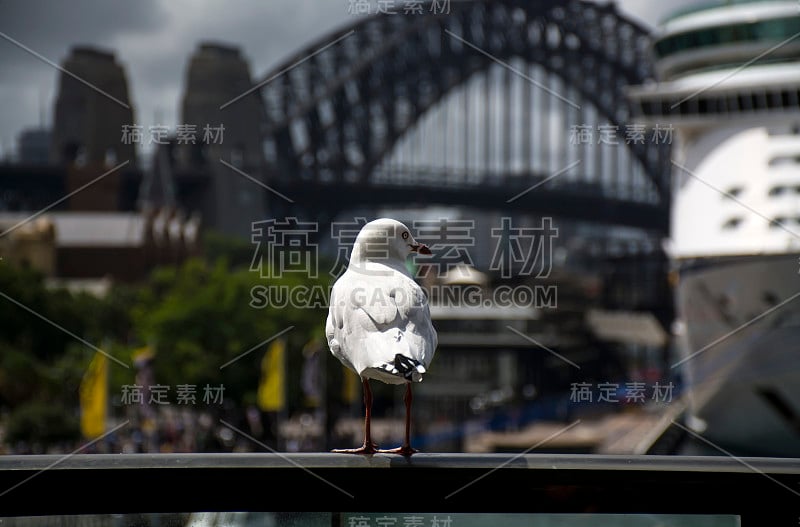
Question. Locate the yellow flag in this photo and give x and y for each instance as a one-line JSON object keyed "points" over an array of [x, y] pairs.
{"points": [[94, 396], [142, 355], [272, 389]]}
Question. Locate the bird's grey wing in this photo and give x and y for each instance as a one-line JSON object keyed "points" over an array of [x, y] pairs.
{"points": [[400, 316], [372, 320], [334, 325], [419, 331]]}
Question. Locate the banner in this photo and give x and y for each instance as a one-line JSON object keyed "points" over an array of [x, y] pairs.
{"points": [[272, 388], [351, 386], [94, 397]]}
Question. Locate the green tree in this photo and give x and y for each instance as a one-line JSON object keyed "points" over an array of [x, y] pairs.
{"points": [[199, 318], [41, 365]]}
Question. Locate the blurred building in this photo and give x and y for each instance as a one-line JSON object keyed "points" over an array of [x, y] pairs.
{"points": [[90, 246], [85, 175], [34, 146], [219, 129], [209, 165], [88, 124], [81, 156], [29, 245], [89, 115]]}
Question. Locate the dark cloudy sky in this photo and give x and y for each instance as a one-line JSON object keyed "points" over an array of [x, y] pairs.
{"points": [[153, 39]]}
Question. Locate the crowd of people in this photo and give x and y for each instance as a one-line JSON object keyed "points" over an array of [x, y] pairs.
{"points": [[186, 429]]}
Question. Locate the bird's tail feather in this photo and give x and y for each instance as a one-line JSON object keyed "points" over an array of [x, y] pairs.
{"points": [[409, 368]]}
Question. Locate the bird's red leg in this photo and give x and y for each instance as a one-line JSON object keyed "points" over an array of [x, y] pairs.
{"points": [[368, 447], [406, 449]]}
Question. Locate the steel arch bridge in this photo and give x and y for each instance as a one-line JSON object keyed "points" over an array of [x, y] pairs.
{"points": [[337, 111]]}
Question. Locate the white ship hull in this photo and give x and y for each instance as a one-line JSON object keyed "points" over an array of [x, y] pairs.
{"points": [[742, 355], [729, 85]]}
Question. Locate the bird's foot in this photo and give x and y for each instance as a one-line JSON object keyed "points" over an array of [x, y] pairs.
{"points": [[404, 450], [367, 449]]}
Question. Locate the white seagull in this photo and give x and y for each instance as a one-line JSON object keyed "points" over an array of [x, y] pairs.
{"points": [[379, 323]]}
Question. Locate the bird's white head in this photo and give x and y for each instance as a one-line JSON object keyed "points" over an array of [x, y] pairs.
{"points": [[385, 239]]}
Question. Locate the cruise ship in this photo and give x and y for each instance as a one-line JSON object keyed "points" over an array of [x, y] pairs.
{"points": [[729, 84]]}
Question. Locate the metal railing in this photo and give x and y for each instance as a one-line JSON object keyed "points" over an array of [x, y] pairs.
{"points": [[761, 491]]}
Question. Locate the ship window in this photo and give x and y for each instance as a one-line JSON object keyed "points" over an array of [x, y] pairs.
{"points": [[732, 223], [734, 192], [761, 98], [777, 222], [744, 102], [777, 190], [784, 160], [774, 99], [733, 103], [707, 38], [763, 30]]}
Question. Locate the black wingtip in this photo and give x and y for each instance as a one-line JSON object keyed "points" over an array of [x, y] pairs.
{"points": [[411, 369]]}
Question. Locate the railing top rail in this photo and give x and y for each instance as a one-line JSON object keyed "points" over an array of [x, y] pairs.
{"points": [[753, 489], [715, 464]]}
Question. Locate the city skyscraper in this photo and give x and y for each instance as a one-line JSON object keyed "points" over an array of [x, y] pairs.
{"points": [[90, 113], [219, 127]]}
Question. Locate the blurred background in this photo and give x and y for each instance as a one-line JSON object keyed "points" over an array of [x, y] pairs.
{"points": [[181, 183]]}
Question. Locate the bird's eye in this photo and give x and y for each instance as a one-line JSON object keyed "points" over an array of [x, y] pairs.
{"points": [[405, 235]]}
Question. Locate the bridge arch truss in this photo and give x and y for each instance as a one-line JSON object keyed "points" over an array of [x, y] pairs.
{"points": [[337, 111]]}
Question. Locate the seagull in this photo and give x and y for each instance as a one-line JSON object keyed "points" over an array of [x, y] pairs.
{"points": [[379, 322]]}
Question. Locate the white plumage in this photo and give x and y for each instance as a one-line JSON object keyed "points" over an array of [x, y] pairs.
{"points": [[379, 322], [378, 311]]}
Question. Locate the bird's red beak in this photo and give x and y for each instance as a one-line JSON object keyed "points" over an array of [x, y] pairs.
{"points": [[420, 248]]}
